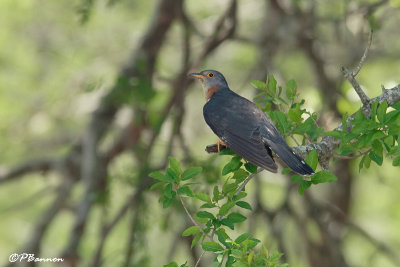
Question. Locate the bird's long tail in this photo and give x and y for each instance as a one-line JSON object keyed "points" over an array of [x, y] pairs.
{"points": [[292, 160]]}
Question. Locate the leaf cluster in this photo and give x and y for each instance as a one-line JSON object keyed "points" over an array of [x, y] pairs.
{"points": [[286, 110], [218, 214], [376, 135]]}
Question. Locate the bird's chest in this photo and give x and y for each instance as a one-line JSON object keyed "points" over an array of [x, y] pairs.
{"points": [[226, 113]]}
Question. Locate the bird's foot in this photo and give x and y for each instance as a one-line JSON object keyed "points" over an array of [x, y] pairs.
{"points": [[219, 144]]}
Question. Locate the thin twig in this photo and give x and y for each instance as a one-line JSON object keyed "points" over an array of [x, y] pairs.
{"points": [[350, 76], [352, 157], [294, 139], [198, 261], [364, 56], [191, 218], [240, 189]]}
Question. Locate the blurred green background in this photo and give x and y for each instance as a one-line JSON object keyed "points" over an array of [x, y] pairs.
{"points": [[56, 70]]}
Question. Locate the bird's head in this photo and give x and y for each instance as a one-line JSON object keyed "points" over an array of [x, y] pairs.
{"points": [[211, 80]]}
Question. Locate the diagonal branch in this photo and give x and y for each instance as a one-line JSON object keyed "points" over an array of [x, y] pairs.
{"points": [[350, 75], [364, 56], [40, 165]]}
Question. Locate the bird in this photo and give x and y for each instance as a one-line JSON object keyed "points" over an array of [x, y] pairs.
{"points": [[243, 127]]}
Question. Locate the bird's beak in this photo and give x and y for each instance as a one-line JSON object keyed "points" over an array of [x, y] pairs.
{"points": [[196, 75]]}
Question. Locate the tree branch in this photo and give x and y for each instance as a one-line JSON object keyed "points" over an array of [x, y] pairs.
{"points": [[350, 75], [40, 165]]}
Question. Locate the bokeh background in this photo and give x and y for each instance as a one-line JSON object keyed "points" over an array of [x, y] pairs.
{"points": [[94, 96]]}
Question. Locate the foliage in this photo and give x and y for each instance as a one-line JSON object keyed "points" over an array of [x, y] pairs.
{"points": [[377, 135], [294, 121], [218, 213]]}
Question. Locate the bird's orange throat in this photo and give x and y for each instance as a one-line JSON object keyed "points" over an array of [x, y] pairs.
{"points": [[211, 91]]}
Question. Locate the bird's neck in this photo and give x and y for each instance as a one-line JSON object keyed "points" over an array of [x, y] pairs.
{"points": [[212, 90]]}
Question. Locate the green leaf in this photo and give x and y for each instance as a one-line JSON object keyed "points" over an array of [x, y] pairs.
{"points": [[172, 175], [382, 111], [222, 237], [250, 243], [171, 264], [281, 121], [373, 109], [174, 164], [240, 175], [232, 165], [225, 208], [160, 176], [296, 178], [227, 188], [303, 186], [228, 223], [295, 114], [244, 204], [286, 170], [308, 127], [250, 257], [156, 185], [196, 239], [203, 197], [205, 214], [391, 116], [191, 172], [291, 88], [259, 85], [211, 246], [242, 238], [239, 264], [192, 230], [312, 159], [361, 164], [346, 149], [185, 191], [167, 202], [377, 147], [239, 196], [367, 161], [226, 151], [236, 217], [207, 206], [271, 86], [396, 161], [378, 159], [323, 177], [344, 122], [168, 192], [216, 195], [250, 167]]}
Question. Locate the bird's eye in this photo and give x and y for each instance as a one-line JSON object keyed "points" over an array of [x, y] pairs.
{"points": [[210, 75]]}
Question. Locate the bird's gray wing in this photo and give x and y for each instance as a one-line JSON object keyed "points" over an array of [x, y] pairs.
{"points": [[251, 148], [237, 130]]}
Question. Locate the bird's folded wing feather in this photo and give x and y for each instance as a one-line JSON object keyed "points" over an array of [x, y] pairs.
{"points": [[252, 150]]}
